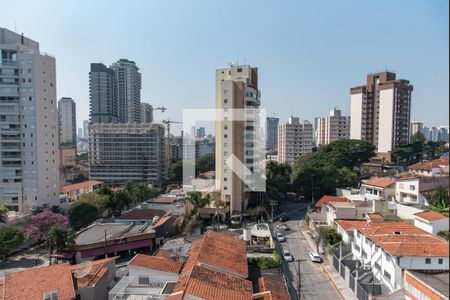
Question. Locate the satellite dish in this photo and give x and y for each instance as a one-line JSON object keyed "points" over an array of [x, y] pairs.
{"points": [[82, 269]]}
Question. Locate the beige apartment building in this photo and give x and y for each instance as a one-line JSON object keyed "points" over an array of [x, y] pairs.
{"points": [[381, 111], [29, 135], [332, 128], [295, 139], [236, 88]]}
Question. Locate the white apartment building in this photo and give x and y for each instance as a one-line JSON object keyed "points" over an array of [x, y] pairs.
{"points": [[332, 128], [415, 189], [381, 110], [390, 248], [294, 140], [29, 122], [237, 89]]}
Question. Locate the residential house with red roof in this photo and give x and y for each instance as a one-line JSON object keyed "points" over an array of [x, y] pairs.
{"points": [[390, 248], [72, 192], [379, 188], [436, 167], [86, 281], [415, 190], [431, 221]]}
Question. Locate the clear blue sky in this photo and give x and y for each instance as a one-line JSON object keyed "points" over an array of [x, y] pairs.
{"points": [[309, 53]]}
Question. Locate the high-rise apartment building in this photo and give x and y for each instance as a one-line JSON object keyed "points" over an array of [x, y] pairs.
{"points": [[381, 110], [67, 132], [236, 134], [332, 127], [295, 139], [29, 125], [128, 80], [272, 133], [416, 127], [146, 113], [443, 134], [85, 129], [200, 133], [122, 152], [67, 121], [103, 93]]}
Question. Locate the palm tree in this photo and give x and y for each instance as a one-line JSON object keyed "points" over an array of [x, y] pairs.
{"points": [[198, 201], [59, 239]]}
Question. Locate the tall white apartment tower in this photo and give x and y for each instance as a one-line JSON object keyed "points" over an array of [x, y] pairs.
{"points": [[294, 140], [236, 88], [29, 122], [381, 111], [128, 80], [332, 127]]}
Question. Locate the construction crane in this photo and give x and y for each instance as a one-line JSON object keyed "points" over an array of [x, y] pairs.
{"points": [[169, 141], [162, 108]]}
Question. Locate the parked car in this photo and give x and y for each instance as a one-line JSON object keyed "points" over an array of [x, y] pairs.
{"points": [[287, 255], [315, 257], [280, 237], [283, 227]]}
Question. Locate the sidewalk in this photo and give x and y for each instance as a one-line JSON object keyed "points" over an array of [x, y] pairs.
{"points": [[339, 283]]}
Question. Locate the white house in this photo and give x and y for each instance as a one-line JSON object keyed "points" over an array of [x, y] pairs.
{"points": [[389, 248], [436, 167], [415, 189], [431, 221], [148, 276], [346, 210], [381, 187]]}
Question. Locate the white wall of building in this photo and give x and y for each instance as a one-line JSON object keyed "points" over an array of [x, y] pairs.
{"points": [[355, 113], [386, 121], [432, 227]]}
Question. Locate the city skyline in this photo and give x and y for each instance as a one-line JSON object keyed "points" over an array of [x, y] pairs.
{"points": [[307, 55]]}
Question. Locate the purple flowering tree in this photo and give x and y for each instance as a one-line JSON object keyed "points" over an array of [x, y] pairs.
{"points": [[42, 222]]}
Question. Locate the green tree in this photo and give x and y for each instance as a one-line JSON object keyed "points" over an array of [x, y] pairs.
{"points": [[10, 238], [81, 214], [197, 200], [104, 190], [101, 202], [443, 234], [278, 182], [205, 163], [176, 172], [418, 137], [3, 213], [79, 178], [121, 200], [439, 201]]}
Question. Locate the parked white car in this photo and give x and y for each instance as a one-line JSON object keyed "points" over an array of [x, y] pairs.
{"points": [[315, 257], [287, 255], [280, 237], [283, 227]]}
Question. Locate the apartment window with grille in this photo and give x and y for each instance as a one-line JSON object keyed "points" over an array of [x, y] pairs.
{"points": [[440, 261], [387, 275], [428, 261], [377, 266], [144, 280]]}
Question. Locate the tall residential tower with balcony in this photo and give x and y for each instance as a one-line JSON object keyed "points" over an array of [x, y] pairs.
{"points": [[295, 139], [381, 111], [236, 132], [29, 124], [332, 128]]}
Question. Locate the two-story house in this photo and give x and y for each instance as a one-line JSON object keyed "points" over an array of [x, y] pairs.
{"points": [[382, 188], [416, 189], [390, 248]]}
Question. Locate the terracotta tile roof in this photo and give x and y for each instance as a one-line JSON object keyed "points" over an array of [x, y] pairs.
{"points": [[382, 182], [142, 214], [221, 251], [33, 283], [162, 220], [276, 288], [429, 165], [156, 263], [161, 201], [2, 289], [97, 269], [430, 215], [375, 217], [328, 199], [77, 186], [209, 284], [164, 253], [403, 239], [348, 225]]}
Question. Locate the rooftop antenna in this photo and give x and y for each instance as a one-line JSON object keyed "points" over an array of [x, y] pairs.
{"points": [[15, 26], [237, 59]]}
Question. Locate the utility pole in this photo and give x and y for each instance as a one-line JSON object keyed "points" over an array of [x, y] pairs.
{"points": [[272, 204], [299, 282], [312, 189], [106, 246]]}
